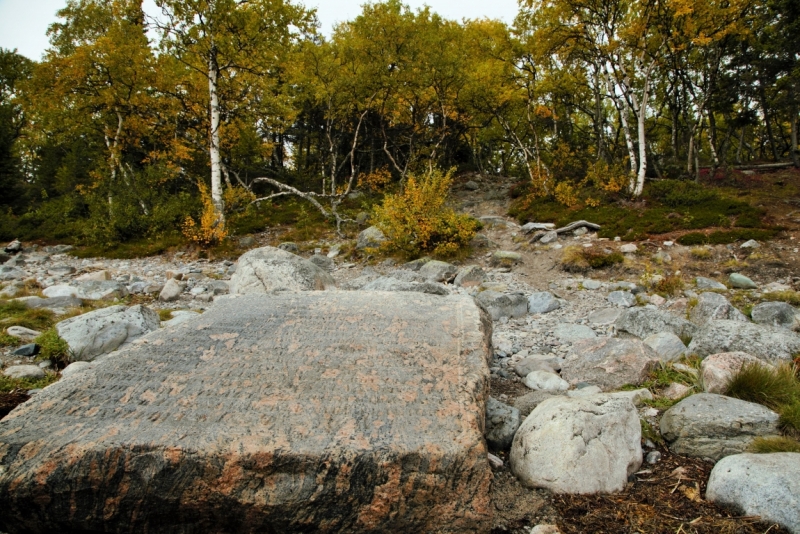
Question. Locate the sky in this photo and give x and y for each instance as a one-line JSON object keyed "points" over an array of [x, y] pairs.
{"points": [[23, 23]]}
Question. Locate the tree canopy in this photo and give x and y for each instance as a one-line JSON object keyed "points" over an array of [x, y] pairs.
{"points": [[125, 131]]}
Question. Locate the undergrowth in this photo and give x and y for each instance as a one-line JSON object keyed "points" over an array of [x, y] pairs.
{"points": [[776, 388], [10, 384], [581, 259]]}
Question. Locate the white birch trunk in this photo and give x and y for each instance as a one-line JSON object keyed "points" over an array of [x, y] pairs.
{"points": [[216, 161]]}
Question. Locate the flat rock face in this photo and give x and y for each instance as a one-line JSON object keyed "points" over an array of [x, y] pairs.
{"points": [[644, 322], [609, 363], [294, 412]]}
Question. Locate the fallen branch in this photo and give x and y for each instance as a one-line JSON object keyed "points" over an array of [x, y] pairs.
{"points": [[568, 228]]}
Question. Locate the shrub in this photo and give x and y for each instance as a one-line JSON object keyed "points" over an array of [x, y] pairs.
{"points": [[773, 444], [669, 285], [580, 259], [417, 221], [52, 347], [700, 253], [773, 388], [678, 194], [211, 228]]}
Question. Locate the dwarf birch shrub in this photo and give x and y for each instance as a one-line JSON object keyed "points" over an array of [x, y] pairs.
{"points": [[417, 220]]}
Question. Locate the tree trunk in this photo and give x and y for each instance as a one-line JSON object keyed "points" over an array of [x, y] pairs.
{"points": [[770, 137], [794, 140], [216, 166]]}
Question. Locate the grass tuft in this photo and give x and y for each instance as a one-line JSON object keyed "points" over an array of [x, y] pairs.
{"points": [[700, 253], [789, 297], [771, 387], [774, 444], [669, 286], [10, 384], [53, 347], [580, 259]]}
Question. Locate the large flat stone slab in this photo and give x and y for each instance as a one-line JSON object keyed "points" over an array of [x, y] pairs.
{"points": [[293, 412]]}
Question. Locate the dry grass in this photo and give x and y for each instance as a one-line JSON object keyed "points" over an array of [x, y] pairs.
{"points": [[700, 253], [774, 444]]}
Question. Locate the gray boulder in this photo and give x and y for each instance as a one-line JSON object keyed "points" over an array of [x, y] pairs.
{"points": [[569, 333], [389, 283], [668, 346], [503, 305], [470, 276], [713, 306], [549, 237], [765, 342], [55, 303], [609, 363], [776, 314], [20, 332], [765, 485], [604, 316], [623, 299], [267, 269], [578, 445], [644, 322], [101, 331], [502, 422], [371, 237], [289, 246], [526, 366], [706, 425], [438, 271], [542, 302]]}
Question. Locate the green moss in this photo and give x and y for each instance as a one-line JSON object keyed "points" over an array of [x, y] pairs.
{"points": [[10, 384], [52, 347]]}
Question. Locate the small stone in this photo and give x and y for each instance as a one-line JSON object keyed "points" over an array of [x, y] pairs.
{"points": [[623, 299], [75, 368], [570, 333], [707, 283], [591, 284], [471, 186], [668, 346], [604, 316], [740, 281], [371, 237], [628, 248], [502, 422], [288, 246], [31, 349], [653, 457], [20, 332], [545, 529], [24, 371], [334, 251], [549, 237], [542, 302], [323, 262], [580, 231], [96, 276], [171, 291], [494, 461], [752, 244], [657, 300], [719, 368], [676, 391], [531, 226], [544, 381], [470, 276], [506, 257]]}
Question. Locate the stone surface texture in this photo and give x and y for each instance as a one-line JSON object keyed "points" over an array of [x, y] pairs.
{"points": [[542, 302], [295, 412], [644, 322], [609, 363], [99, 332], [267, 269], [503, 305], [766, 485], [372, 237], [502, 422], [578, 445], [713, 426], [776, 314], [765, 342], [668, 346], [711, 306]]}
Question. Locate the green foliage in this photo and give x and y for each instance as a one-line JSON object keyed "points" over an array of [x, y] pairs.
{"points": [[15, 313], [762, 445], [417, 220], [721, 237], [691, 207], [789, 296], [580, 259], [52, 347], [777, 389], [10, 384]]}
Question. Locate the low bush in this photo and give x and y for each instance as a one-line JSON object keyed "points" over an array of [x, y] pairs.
{"points": [[774, 444], [417, 221], [669, 286], [580, 259], [52, 347]]}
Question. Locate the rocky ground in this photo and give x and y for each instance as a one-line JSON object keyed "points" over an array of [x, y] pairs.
{"points": [[546, 322]]}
